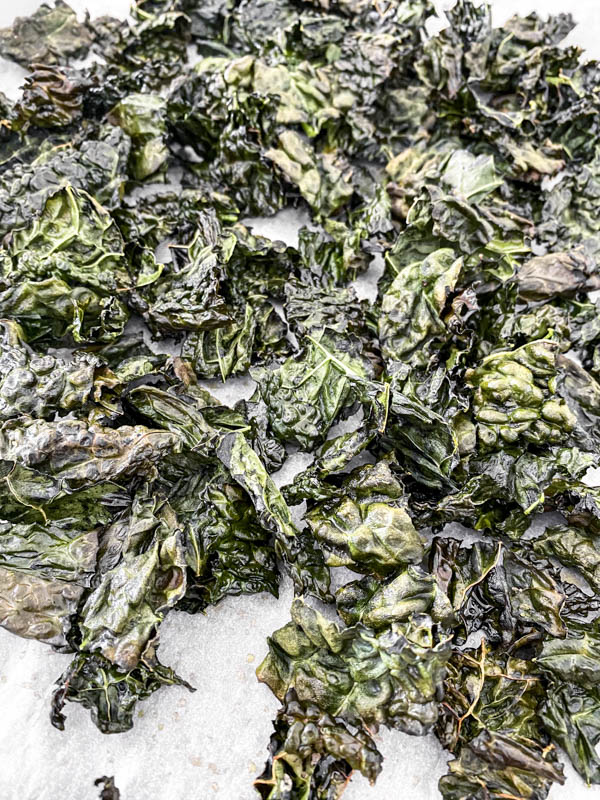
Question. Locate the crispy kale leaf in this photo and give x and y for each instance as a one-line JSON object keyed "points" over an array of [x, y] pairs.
{"points": [[392, 677], [312, 754], [111, 695]]}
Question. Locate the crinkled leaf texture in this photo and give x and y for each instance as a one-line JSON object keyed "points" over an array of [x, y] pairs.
{"points": [[392, 677]]}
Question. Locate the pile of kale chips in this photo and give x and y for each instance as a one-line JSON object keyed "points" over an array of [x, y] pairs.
{"points": [[469, 163]]}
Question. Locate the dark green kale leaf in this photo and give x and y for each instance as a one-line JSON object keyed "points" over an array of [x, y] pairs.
{"points": [[52, 310], [52, 34], [255, 331], [300, 554], [227, 551], [50, 459], [46, 563], [312, 754], [37, 385], [142, 575], [489, 720], [377, 604], [568, 215], [495, 766], [570, 708], [111, 695], [187, 295], [146, 53], [143, 118], [96, 165], [556, 275], [574, 547], [36, 607], [571, 715], [515, 397], [254, 271], [174, 414], [497, 590], [227, 125], [529, 480], [52, 98], [74, 239], [365, 527], [324, 181], [411, 309], [63, 550], [305, 396], [426, 426], [148, 218], [392, 677], [573, 658], [334, 254]]}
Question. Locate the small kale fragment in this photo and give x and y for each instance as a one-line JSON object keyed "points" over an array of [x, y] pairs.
{"points": [[109, 791]]}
